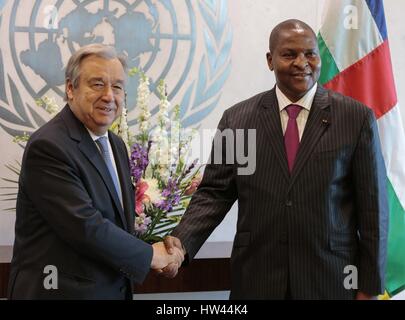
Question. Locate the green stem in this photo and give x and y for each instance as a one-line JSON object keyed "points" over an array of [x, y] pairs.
{"points": [[154, 222]]}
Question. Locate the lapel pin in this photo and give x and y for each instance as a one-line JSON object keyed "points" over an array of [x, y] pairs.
{"points": [[325, 122]]}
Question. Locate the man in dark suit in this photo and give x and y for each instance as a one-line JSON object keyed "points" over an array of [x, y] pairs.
{"points": [[312, 220], [75, 203]]}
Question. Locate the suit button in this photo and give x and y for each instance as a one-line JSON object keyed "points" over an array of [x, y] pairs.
{"points": [[122, 289], [288, 203]]}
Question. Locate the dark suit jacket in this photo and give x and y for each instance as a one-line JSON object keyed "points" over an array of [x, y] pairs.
{"points": [[69, 216], [300, 230]]}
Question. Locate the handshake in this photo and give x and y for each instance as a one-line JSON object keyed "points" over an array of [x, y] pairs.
{"points": [[167, 257]]}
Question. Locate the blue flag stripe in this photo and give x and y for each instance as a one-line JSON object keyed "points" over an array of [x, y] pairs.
{"points": [[377, 11]]}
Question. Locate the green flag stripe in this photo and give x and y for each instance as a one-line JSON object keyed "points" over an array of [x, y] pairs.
{"points": [[341, 47], [395, 275], [329, 68]]}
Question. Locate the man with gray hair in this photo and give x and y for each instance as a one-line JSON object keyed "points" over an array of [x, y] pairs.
{"points": [[74, 231]]}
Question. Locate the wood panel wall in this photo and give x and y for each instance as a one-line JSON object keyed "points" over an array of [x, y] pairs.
{"points": [[199, 275]]}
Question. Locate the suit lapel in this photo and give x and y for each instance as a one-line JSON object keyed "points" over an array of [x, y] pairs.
{"points": [[128, 193], [87, 146], [89, 149], [270, 120], [318, 121]]}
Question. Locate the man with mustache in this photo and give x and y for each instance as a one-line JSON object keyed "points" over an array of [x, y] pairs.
{"points": [[313, 218], [75, 203]]}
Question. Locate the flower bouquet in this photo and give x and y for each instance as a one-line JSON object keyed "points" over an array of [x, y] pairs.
{"points": [[164, 179]]}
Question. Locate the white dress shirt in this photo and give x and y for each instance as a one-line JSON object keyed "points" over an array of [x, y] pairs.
{"points": [[95, 137], [305, 102]]}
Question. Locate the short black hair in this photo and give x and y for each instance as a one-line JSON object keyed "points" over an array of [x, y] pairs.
{"points": [[286, 25]]}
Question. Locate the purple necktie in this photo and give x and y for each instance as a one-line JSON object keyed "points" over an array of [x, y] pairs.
{"points": [[291, 137]]}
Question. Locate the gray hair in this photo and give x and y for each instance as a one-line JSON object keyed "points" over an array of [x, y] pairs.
{"points": [[72, 72]]}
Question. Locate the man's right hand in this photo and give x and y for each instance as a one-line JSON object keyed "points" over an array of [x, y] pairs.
{"points": [[162, 258], [172, 242], [172, 245]]}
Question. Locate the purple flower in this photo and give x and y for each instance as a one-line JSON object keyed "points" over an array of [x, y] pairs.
{"points": [[139, 161], [171, 194], [141, 223]]}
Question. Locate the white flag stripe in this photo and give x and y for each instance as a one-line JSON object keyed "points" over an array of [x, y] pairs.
{"points": [[392, 137], [348, 45]]}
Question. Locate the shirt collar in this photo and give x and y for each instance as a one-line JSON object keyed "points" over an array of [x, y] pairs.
{"points": [[305, 101], [95, 137]]}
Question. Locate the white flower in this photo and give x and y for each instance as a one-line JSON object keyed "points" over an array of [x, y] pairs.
{"points": [[160, 150], [144, 126], [148, 172], [153, 191], [186, 138], [142, 105], [123, 128], [49, 104], [175, 143], [164, 104]]}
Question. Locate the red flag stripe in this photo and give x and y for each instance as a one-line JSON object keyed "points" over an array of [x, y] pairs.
{"points": [[370, 81]]}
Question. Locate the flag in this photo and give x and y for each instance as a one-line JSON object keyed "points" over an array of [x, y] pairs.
{"points": [[356, 62]]}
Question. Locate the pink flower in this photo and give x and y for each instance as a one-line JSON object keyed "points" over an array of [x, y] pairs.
{"points": [[193, 186], [140, 196]]}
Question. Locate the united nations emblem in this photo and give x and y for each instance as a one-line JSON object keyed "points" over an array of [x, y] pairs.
{"points": [[185, 42]]}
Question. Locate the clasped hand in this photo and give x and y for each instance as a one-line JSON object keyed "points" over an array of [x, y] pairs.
{"points": [[167, 257]]}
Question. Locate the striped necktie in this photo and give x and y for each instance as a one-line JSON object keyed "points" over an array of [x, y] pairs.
{"points": [[103, 145]]}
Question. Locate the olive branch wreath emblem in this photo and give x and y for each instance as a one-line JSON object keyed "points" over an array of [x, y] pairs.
{"points": [[199, 100], [215, 65]]}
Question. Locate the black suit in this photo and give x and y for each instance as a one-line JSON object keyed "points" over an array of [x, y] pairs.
{"points": [[69, 216], [299, 230]]}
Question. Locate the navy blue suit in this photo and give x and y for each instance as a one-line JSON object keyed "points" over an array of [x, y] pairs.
{"points": [[69, 216]]}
